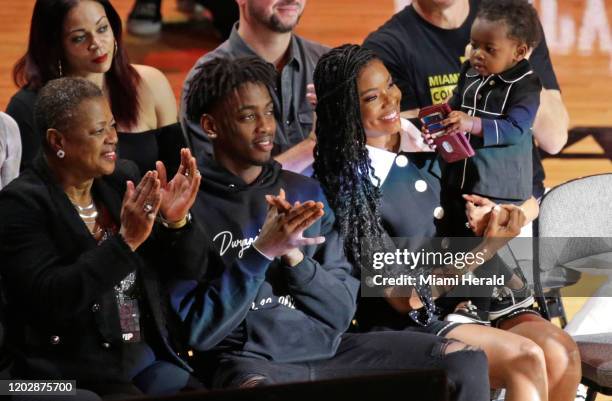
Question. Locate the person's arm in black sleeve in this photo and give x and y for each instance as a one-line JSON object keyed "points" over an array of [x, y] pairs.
{"points": [[390, 50], [322, 284], [456, 99], [211, 308], [552, 121], [518, 120], [184, 252], [49, 286], [542, 64]]}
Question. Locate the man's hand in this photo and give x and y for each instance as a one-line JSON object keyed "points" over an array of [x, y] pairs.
{"points": [[282, 232]]}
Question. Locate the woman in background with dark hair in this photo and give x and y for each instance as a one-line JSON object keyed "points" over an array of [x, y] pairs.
{"points": [[84, 39]]}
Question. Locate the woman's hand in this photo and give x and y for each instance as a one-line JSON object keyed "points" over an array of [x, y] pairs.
{"points": [[282, 232], [497, 233], [428, 138], [477, 209], [509, 229], [178, 195], [139, 208]]}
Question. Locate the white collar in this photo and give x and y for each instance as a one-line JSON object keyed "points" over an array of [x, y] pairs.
{"points": [[410, 141]]}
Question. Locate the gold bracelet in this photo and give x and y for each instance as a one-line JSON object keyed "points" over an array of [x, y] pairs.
{"points": [[174, 225]]}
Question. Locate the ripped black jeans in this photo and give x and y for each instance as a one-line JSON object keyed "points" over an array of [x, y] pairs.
{"points": [[371, 353]]}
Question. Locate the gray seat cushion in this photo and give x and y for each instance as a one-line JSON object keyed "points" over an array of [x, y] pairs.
{"points": [[601, 261], [596, 355]]}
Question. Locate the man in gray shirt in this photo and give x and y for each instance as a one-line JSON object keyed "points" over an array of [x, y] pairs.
{"points": [[265, 29]]}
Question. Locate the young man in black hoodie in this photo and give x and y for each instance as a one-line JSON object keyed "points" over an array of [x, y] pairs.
{"points": [[286, 320]]}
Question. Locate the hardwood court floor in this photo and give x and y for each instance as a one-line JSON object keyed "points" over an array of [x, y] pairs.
{"points": [[577, 31]]}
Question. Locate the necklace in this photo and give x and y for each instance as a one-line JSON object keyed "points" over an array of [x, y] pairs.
{"points": [[87, 212], [89, 216]]}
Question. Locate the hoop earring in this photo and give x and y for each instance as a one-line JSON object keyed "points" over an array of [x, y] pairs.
{"points": [[115, 50], [60, 153], [59, 68]]}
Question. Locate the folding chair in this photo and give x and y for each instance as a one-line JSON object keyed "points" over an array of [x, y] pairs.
{"points": [[575, 233]]}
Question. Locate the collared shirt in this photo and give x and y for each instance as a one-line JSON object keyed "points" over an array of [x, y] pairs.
{"points": [[410, 185], [382, 160], [294, 114], [507, 104], [10, 149], [409, 206]]}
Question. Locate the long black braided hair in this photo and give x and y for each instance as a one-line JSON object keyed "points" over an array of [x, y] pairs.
{"points": [[216, 79], [342, 164]]}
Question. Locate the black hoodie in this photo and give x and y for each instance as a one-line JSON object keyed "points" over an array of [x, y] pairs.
{"points": [[249, 306]]}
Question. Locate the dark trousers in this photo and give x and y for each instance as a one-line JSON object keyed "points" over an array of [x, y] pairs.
{"points": [[367, 354]]}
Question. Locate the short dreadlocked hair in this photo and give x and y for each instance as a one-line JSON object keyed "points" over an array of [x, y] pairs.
{"points": [[57, 103], [519, 16], [216, 79], [342, 164]]}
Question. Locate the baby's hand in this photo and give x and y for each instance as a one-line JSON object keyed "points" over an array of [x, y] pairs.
{"points": [[458, 121]]}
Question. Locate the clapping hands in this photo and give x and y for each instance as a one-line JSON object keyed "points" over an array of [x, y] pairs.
{"points": [[138, 210], [179, 194], [155, 194], [283, 229]]}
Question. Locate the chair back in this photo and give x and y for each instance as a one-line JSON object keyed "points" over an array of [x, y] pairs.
{"points": [[575, 221]]}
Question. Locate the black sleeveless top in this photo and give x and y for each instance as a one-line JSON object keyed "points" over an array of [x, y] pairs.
{"points": [[145, 148]]}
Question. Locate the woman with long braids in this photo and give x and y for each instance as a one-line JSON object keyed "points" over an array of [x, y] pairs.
{"points": [[381, 183]]}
